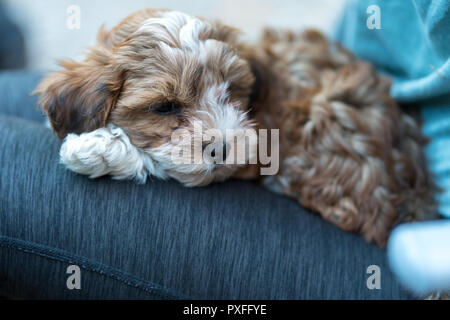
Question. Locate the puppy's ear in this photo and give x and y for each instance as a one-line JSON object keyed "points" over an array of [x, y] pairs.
{"points": [[80, 97]]}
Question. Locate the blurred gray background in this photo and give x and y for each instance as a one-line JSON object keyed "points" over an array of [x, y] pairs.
{"points": [[47, 37]]}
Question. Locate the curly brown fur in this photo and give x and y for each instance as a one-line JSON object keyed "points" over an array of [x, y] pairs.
{"points": [[348, 151]]}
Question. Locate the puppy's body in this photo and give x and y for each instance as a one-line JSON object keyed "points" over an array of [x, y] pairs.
{"points": [[346, 149]]}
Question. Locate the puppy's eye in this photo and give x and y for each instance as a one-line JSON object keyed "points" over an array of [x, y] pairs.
{"points": [[167, 108]]}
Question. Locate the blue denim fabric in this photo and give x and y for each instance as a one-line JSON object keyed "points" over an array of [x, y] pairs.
{"points": [[12, 44], [160, 240]]}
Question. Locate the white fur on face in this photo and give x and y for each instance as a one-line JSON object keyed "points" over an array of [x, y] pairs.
{"points": [[218, 113], [176, 29], [215, 114], [179, 34]]}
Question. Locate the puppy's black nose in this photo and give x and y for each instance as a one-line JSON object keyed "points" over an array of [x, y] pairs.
{"points": [[224, 152]]}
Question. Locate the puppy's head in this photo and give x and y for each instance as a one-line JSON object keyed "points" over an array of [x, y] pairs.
{"points": [[155, 74]]}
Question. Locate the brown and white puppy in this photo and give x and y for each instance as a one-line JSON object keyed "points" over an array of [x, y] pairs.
{"points": [[347, 151]]}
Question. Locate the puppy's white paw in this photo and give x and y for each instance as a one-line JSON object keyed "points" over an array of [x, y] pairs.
{"points": [[105, 151]]}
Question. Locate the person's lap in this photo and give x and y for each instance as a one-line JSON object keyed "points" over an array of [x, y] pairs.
{"points": [[159, 240]]}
